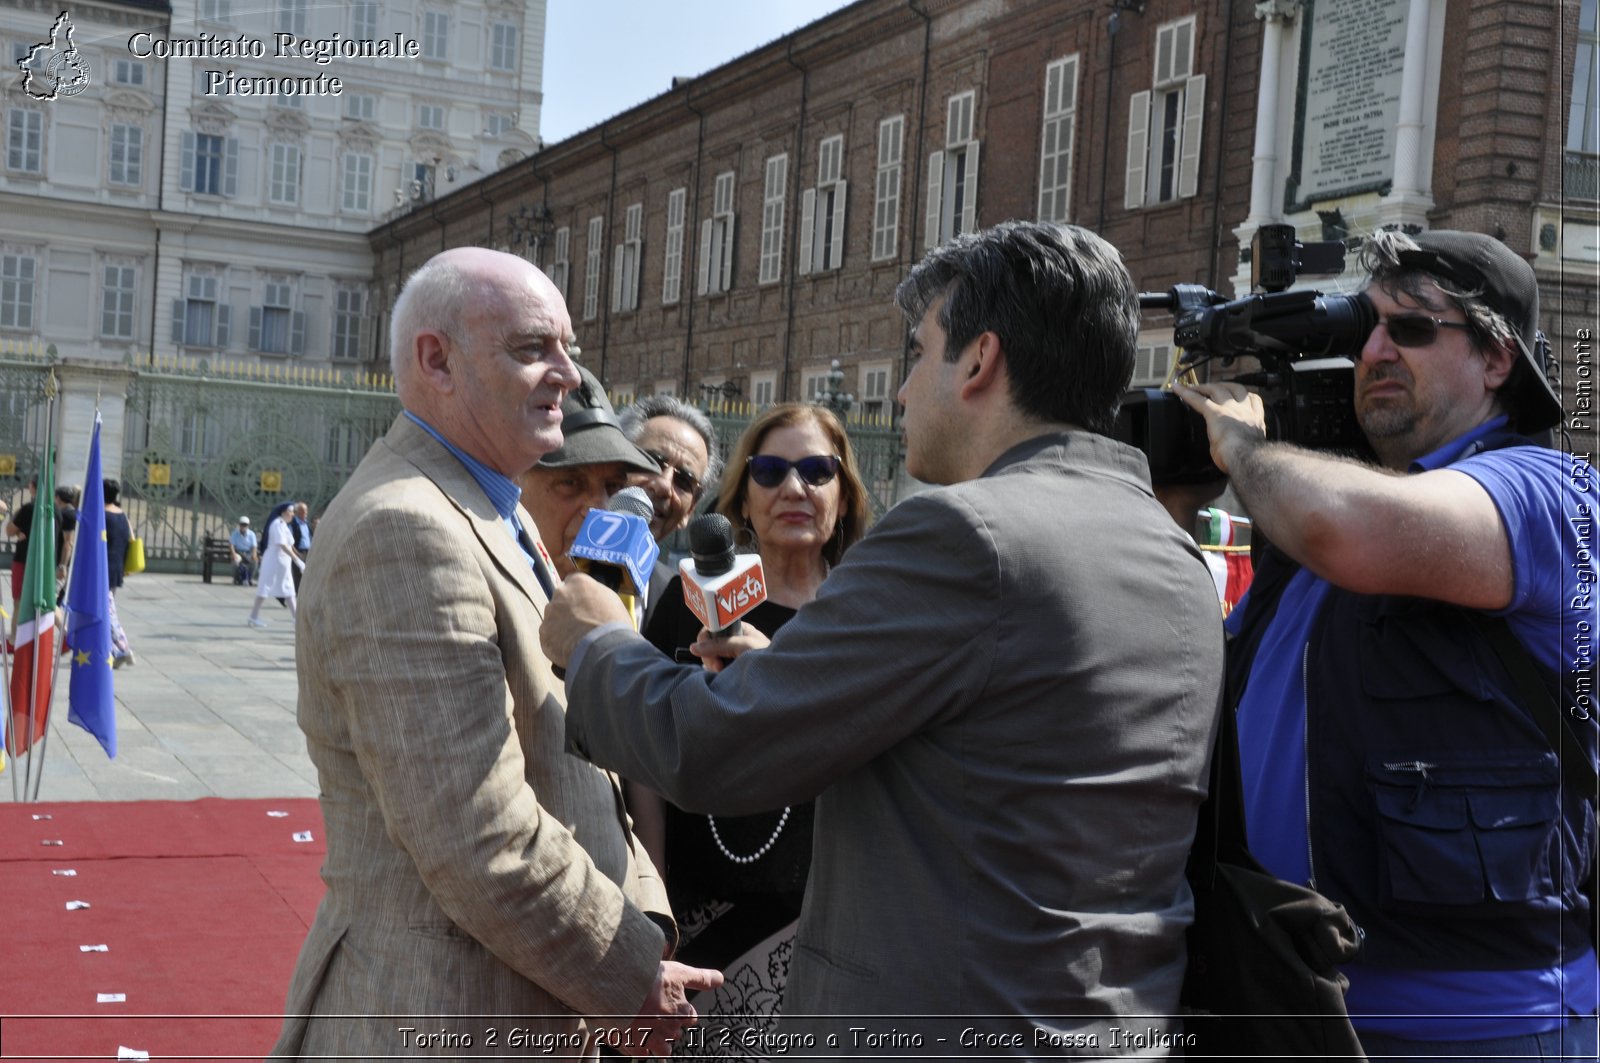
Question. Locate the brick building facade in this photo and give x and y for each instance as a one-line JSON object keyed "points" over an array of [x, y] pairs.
{"points": [[735, 235]]}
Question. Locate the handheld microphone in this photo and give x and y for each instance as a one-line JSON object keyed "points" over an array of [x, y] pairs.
{"points": [[720, 586], [615, 547]]}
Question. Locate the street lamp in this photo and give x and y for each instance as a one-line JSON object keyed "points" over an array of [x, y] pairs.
{"points": [[834, 398], [531, 227], [713, 395]]}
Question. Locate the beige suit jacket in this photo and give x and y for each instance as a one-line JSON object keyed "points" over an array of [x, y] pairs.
{"points": [[474, 867]]}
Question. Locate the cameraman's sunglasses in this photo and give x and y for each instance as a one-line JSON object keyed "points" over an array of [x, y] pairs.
{"points": [[769, 470], [1416, 330]]}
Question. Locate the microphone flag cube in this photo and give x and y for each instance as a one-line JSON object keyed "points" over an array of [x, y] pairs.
{"points": [[719, 601], [619, 540]]}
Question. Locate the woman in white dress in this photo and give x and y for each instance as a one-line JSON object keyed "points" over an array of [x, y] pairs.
{"points": [[278, 562]]}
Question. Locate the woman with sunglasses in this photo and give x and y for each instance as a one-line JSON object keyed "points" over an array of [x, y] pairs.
{"points": [[792, 492]]}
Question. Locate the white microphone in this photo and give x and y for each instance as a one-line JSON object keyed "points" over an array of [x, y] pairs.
{"points": [[719, 586]]}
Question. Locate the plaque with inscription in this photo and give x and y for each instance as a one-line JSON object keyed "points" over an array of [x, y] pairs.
{"points": [[1351, 59]]}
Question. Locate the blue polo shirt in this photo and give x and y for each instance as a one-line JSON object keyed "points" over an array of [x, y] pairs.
{"points": [[1544, 497]]}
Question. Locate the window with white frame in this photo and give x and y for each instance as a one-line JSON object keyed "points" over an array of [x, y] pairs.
{"points": [[672, 267], [362, 106], [126, 157], [216, 10], [591, 268], [435, 35], [291, 100], [777, 179], [763, 386], [356, 183], [349, 317], [886, 193], [714, 272], [822, 211], [25, 140], [953, 174], [200, 319], [17, 275], [118, 290], [1583, 117], [814, 384], [561, 264], [128, 72], [626, 260], [499, 123], [364, 20], [503, 47], [292, 16], [276, 327], [1164, 123], [283, 182], [430, 116], [1056, 139], [875, 389], [424, 176], [1152, 362], [210, 165]]}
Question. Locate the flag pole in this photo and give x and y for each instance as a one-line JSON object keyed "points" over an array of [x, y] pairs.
{"points": [[5, 666], [45, 495]]}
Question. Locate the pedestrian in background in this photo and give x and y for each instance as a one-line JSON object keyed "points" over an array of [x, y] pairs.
{"points": [[119, 533], [278, 562]]}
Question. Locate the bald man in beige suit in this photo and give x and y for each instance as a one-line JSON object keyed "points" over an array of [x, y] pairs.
{"points": [[474, 868]]}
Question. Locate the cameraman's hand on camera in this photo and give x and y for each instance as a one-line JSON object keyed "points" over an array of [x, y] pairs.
{"points": [[1235, 417]]}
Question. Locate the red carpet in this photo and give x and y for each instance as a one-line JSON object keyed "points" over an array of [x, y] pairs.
{"points": [[202, 905]]}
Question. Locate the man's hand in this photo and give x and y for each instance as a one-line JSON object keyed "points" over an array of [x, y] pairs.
{"points": [[716, 653], [579, 605], [666, 1012], [1234, 417]]}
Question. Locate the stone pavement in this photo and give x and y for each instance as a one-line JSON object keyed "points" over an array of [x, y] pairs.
{"points": [[207, 710]]}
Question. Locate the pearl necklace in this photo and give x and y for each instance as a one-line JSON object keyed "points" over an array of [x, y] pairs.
{"points": [[759, 853]]}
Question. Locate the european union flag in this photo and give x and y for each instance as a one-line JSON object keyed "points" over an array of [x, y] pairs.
{"points": [[90, 703]]}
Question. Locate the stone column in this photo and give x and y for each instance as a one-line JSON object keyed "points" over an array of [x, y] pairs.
{"points": [[1266, 185], [83, 384], [1409, 199]]}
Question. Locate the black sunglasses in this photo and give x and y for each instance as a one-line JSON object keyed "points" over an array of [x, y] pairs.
{"points": [[1416, 330], [769, 470], [683, 481]]}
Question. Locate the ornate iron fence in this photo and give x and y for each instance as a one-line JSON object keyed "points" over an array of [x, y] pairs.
{"points": [[204, 444], [24, 379]]}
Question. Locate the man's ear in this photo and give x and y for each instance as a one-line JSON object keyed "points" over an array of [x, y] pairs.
{"points": [[431, 351], [1499, 363], [985, 360]]}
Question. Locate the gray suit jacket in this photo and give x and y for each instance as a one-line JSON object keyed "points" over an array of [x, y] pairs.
{"points": [[1003, 701], [474, 867]]}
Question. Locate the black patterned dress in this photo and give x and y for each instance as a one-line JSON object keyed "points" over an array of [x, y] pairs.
{"points": [[735, 882]]}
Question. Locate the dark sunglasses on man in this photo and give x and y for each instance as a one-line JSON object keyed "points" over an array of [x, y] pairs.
{"points": [[683, 481], [1416, 330], [769, 470]]}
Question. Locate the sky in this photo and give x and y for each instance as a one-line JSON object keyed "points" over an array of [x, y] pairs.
{"points": [[602, 57]]}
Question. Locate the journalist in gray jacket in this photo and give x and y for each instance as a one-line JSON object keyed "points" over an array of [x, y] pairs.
{"points": [[1002, 699]]}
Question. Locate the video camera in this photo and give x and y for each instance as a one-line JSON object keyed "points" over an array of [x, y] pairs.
{"points": [[1304, 341]]}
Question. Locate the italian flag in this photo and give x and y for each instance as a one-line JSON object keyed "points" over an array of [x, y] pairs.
{"points": [[33, 667]]}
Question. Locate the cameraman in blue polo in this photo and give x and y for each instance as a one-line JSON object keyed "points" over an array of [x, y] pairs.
{"points": [[1391, 759]]}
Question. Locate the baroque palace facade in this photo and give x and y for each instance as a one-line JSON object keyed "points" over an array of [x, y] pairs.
{"points": [[731, 238]]}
